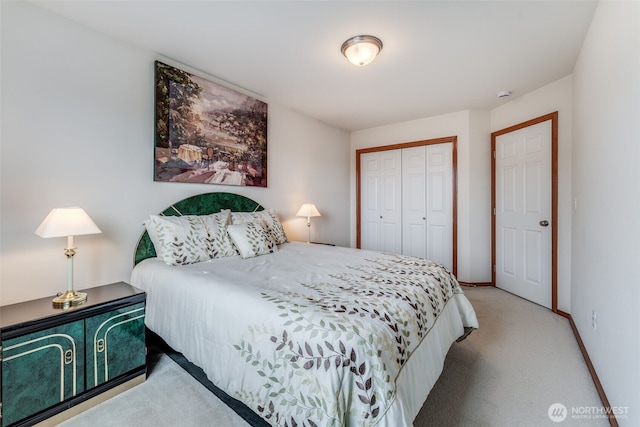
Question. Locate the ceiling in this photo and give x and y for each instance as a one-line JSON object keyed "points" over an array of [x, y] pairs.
{"points": [[438, 56]]}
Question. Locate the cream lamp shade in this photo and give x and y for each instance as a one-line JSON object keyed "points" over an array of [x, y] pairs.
{"points": [[68, 222], [361, 50], [63, 222], [308, 210]]}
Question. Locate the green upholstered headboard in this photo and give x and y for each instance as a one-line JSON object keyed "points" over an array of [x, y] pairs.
{"points": [[202, 204]]}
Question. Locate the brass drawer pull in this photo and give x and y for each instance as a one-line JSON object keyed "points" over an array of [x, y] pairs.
{"points": [[68, 357]]}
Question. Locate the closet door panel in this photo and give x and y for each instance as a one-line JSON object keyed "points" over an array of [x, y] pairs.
{"points": [[370, 236], [439, 206], [391, 201], [414, 202], [370, 204], [438, 243], [381, 204]]}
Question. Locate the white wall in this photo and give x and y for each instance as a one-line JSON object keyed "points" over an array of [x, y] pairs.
{"points": [[606, 182], [556, 96], [471, 128], [478, 188], [77, 129]]}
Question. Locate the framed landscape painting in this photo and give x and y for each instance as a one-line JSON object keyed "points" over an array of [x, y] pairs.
{"points": [[207, 133]]}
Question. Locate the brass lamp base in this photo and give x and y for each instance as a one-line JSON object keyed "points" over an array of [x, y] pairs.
{"points": [[69, 299]]}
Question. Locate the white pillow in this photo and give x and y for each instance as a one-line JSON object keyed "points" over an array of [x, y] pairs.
{"points": [[188, 239], [252, 239], [268, 216]]}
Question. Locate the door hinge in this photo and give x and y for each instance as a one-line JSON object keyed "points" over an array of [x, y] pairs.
{"points": [[0, 410], [494, 154], [494, 211], [494, 268]]}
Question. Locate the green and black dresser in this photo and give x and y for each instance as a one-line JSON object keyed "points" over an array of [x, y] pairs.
{"points": [[56, 360]]}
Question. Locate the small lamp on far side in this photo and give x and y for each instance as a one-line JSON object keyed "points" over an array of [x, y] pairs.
{"points": [[308, 210], [68, 222]]}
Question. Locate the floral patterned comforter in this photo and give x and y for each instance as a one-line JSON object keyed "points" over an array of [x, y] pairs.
{"points": [[312, 335]]}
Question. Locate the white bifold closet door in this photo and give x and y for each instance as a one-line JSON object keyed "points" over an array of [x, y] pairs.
{"points": [[381, 222], [427, 203], [407, 202]]}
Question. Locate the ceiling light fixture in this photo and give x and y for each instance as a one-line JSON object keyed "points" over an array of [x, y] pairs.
{"points": [[361, 50]]}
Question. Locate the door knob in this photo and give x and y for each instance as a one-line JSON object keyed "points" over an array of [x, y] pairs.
{"points": [[544, 223]]}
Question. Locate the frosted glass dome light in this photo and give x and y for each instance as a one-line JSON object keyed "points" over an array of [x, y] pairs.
{"points": [[361, 50]]}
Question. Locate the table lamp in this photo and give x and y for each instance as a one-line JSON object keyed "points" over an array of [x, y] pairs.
{"points": [[308, 210], [68, 222]]}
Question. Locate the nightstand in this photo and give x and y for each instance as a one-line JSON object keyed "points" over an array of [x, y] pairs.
{"points": [[56, 360]]}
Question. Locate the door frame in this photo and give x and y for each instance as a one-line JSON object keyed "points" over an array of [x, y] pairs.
{"points": [[554, 199], [454, 177]]}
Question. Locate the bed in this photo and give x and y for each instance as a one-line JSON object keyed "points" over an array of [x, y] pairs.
{"points": [[303, 334]]}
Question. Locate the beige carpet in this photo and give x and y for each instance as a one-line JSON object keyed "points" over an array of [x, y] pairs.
{"points": [[522, 360]]}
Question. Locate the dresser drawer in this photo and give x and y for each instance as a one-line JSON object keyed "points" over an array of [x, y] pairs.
{"points": [[115, 344], [42, 369]]}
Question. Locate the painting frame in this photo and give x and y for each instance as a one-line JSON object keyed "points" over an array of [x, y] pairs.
{"points": [[206, 132]]}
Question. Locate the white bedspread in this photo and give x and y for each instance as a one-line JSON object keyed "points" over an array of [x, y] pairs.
{"points": [[312, 334]]}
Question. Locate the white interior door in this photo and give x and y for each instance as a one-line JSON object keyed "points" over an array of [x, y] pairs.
{"points": [[523, 212]]}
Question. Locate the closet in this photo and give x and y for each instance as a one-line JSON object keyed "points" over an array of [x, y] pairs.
{"points": [[407, 198]]}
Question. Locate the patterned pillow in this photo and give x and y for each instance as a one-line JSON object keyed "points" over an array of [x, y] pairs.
{"points": [[217, 227], [188, 239], [269, 217], [252, 239]]}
